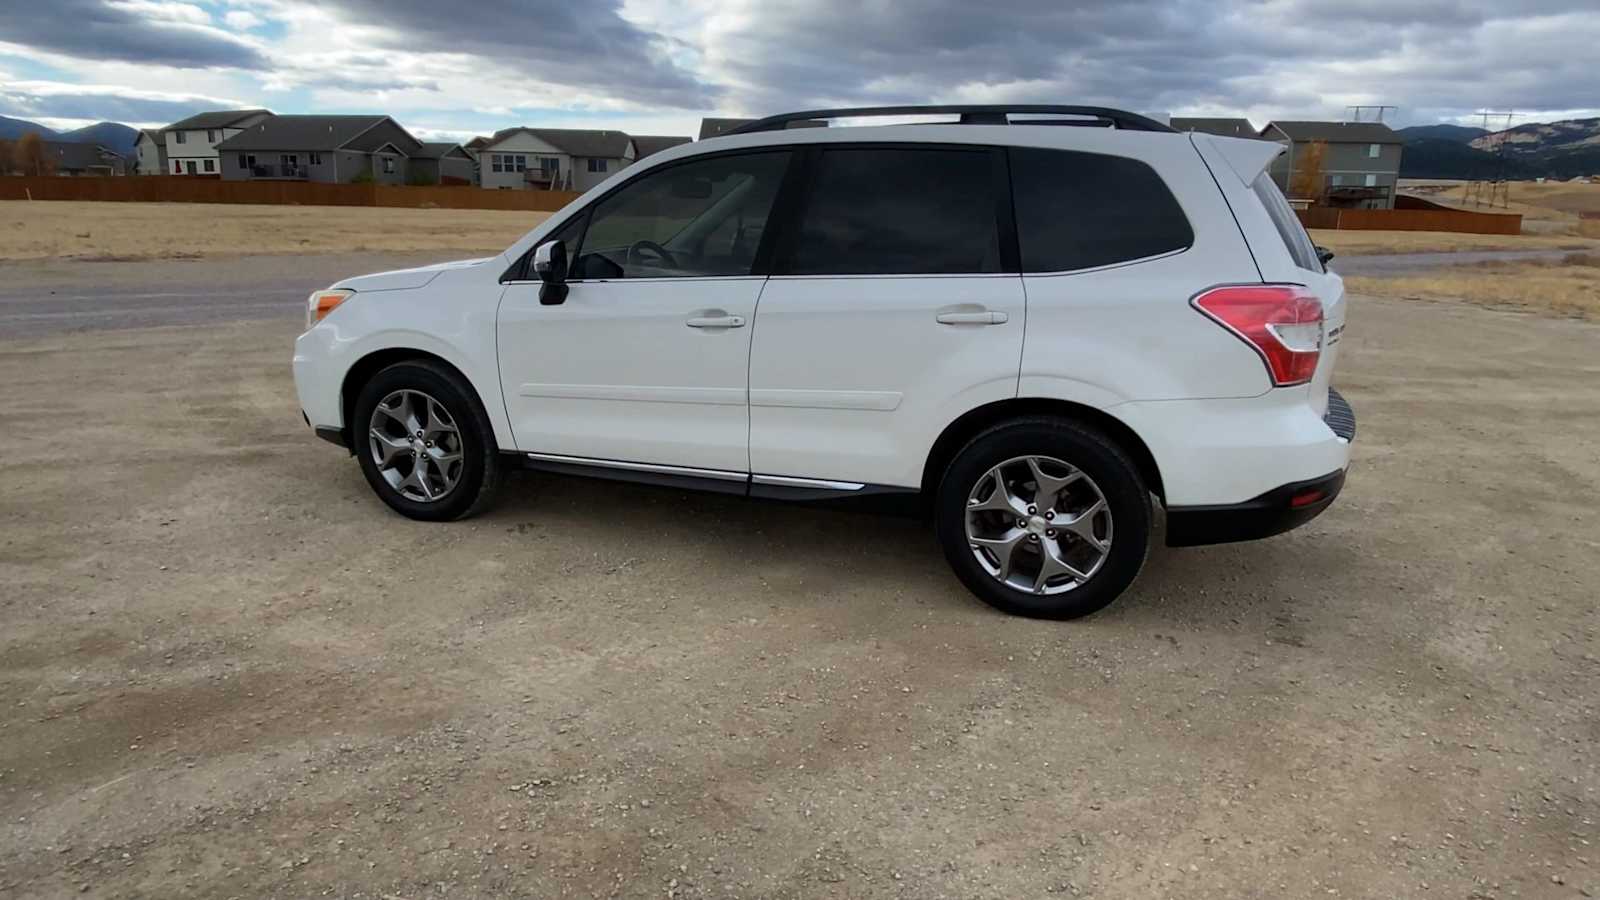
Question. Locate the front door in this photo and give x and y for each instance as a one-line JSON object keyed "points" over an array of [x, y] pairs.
{"points": [[647, 360], [890, 311]]}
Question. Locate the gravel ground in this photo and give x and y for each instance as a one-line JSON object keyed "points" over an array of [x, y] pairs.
{"points": [[227, 670]]}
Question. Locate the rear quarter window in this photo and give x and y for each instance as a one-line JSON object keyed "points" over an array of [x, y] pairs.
{"points": [[1295, 238], [1081, 210]]}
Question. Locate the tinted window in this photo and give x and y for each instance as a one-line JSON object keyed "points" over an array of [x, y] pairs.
{"points": [[1288, 224], [695, 219], [1080, 210], [899, 211]]}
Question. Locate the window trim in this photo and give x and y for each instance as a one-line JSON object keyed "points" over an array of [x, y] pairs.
{"points": [[788, 229]]}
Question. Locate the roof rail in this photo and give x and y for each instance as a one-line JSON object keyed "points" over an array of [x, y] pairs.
{"points": [[986, 114]]}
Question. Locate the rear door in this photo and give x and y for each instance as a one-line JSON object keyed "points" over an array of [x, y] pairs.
{"points": [[892, 306]]}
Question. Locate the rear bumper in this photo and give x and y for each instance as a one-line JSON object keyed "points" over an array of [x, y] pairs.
{"points": [[1276, 511]]}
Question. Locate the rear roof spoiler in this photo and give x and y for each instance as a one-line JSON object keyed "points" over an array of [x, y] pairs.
{"points": [[1248, 158]]}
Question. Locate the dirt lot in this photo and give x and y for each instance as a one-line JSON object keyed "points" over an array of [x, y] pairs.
{"points": [[126, 231], [227, 670]]}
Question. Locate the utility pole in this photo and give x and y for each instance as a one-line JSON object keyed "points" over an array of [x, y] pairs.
{"points": [[1495, 190]]}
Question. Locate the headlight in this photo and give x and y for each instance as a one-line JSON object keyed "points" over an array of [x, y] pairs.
{"points": [[321, 303]]}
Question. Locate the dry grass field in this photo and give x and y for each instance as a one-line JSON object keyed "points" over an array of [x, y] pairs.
{"points": [[130, 231], [1547, 209], [1569, 286], [1363, 243]]}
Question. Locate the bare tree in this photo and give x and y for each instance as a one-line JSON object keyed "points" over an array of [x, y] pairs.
{"points": [[29, 155], [1307, 180]]}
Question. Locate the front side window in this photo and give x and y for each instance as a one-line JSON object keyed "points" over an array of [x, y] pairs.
{"points": [[700, 218], [1081, 210], [899, 211]]}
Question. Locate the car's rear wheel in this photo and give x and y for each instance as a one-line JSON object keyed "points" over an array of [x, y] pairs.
{"points": [[1044, 517], [424, 442]]}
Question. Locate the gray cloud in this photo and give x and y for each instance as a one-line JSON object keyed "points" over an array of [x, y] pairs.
{"points": [[107, 107], [1163, 55], [94, 29], [588, 46]]}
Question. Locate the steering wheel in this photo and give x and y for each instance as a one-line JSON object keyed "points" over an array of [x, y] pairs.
{"points": [[663, 256]]}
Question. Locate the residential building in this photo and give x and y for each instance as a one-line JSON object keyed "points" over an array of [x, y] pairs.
{"points": [[192, 142], [710, 128], [150, 152], [71, 158], [1360, 161], [552, 158], [646, 144], [441, 162], [1239, 128], [321, 148]]}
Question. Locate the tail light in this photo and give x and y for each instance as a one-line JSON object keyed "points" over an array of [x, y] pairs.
{"points": [[1282, 322]]}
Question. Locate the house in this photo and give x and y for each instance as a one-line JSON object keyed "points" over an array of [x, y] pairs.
{"points": [[192, 143], [710, 128], [150, 152], [1239, 128], [441, 162], [646, 144], [322, 148], [552, 158], [1360, 161], [70, 158]]}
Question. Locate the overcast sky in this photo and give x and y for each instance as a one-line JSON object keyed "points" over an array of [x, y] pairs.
{"points": [[453, 69]]}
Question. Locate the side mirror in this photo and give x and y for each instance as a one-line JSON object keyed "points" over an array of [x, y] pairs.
{"points": [[550, 264], [1324, 254]]}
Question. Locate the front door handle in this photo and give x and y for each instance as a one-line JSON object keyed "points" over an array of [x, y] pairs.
{"points": [[987, 317], [716, 322]]}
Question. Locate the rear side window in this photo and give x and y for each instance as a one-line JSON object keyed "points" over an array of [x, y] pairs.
{"points": [[1081, 210], [1295, 239], [901, 211]]}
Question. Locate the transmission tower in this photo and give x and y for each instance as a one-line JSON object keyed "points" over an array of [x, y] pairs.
{"points": [[1496, 189], [1355, 112]]}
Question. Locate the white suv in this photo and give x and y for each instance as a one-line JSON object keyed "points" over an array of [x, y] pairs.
{"points": [[1033, 328]]}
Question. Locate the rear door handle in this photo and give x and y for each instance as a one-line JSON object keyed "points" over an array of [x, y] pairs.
{"points": [[716, 322], [987, 317]]}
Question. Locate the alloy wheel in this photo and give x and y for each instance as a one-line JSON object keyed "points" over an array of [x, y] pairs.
{"points": [[1038, 524], [416, 445]]}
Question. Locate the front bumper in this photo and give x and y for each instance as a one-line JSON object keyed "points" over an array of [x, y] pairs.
{"points": [[1276, 511]]}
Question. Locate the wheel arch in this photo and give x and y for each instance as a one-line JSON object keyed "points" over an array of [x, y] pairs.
{"points": [[371, 364], [970, 423]]}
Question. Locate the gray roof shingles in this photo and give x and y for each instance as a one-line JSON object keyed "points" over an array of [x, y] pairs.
{"points": [[646, 144], [301, 133], [220, 118], [1335, 132], [1240, 128], [574, 141]]}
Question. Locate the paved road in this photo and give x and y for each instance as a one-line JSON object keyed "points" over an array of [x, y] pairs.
{"points": [[54, 296]]}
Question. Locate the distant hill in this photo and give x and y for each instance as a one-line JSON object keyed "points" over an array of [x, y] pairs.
{"points": [[1541, 138], [1458, 133], [11, 129], [1536, 150], [113, 136]]}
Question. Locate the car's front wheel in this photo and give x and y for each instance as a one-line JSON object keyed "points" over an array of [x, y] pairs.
{"points": [[424, 442], [1044, 517]]}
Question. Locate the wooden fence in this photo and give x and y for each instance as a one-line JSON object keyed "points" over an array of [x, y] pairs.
{"points": [[184, 189], [1457, 220]]}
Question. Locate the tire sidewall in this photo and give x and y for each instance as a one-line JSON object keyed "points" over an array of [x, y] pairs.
{"points": [[1111, 470], [477, 439]]}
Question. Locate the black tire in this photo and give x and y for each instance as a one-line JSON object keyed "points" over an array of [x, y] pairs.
{"points": [[1083, 447], [481, 468]]}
